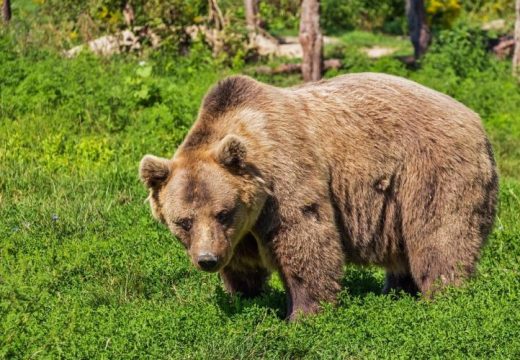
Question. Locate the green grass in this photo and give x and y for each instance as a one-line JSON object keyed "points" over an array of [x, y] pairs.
{"points": [[85, 272]]}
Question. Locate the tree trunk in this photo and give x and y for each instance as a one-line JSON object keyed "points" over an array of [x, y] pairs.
{"points": [[6, 10], [419, 31], [311, 40], [252, 19], [516, 55]]}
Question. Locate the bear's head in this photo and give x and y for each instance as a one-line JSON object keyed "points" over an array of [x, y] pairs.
{"points": [[209, 198]]}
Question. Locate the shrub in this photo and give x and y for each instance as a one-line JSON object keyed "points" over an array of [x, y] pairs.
{"points": [[362, 14], [280, 15], [485, 10], [460, 50], [442, 13]]}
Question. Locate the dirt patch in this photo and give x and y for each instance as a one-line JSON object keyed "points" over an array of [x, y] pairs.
{"points": [[376, 52]]}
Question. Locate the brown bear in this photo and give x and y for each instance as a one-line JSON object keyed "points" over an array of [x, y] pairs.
{"points": [[363, 168]]}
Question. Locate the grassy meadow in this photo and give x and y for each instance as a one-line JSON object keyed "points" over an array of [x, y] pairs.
{"points": [[85, 272]]}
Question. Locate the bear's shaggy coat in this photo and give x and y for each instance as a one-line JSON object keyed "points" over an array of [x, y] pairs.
{"points": [[363, 168]]}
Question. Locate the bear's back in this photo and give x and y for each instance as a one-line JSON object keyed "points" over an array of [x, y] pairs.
{"points": [[390, 98], [383, 117]]}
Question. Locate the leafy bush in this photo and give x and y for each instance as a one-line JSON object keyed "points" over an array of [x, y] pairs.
{"points": [[460, 50], [94, 94], [171, 17], [280, 15], [485, 10], [362, 14], [442, 13]]}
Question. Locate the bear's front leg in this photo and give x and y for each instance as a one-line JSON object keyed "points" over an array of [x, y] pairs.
{"points": [[245, 274], [310, 260]]}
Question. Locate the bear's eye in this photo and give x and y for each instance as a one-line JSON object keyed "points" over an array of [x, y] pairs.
{"points": [[184, 223], [224, 217]]}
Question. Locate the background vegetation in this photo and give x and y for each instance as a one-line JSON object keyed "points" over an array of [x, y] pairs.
{"points": [[86, 273]]}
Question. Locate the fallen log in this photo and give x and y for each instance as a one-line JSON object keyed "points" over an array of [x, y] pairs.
{"points": [[505, 47], [123, 41]]}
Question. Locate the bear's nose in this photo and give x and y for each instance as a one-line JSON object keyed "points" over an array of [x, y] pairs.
{"points": [[207, 261]]}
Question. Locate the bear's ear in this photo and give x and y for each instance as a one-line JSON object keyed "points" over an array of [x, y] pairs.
{"points": [[154, 170], [232, 152]]}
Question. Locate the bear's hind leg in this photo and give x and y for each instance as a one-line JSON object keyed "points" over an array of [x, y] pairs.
{"points": [[400, 282], [434, 267]]}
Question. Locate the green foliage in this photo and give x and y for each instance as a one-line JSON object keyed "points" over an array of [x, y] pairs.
{"points": [[442, 13], [338, 15], [281, 16], [171, 17], [461, 50], [66, 23], [85, 272], [485, 10]]}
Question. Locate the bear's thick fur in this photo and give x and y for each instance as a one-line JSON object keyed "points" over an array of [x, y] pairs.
{"points": [[363, 168]]}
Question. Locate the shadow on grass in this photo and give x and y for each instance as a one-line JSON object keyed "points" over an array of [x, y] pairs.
{"points": [[272, 299], [359, 282]]}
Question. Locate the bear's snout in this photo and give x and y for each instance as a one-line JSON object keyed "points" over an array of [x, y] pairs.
{"points": [[207, 261]]}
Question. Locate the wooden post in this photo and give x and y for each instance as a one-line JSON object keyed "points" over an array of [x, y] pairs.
{"points": [[311, 40], [516, 55], [419, 31]]}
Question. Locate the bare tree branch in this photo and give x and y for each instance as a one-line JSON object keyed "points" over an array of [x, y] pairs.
{"points": [[215, 15]]}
